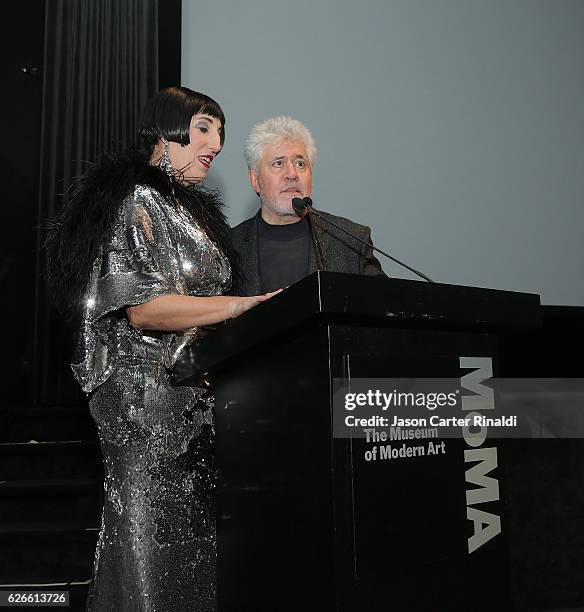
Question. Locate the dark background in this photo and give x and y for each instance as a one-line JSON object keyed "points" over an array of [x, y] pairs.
{"points": [[75, 74]]}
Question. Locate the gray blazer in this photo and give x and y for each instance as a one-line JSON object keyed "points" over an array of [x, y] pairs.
{"points": [[331, 249]]}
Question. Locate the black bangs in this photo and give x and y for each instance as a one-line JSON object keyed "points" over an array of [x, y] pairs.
{"points": [[213, 109], [168, 115]]}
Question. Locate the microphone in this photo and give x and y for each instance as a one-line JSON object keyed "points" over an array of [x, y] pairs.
{"points": [[300, 206], [303, 207]]}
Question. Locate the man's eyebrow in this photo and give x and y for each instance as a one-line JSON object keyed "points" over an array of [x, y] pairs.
{"points": [[279, 157]]}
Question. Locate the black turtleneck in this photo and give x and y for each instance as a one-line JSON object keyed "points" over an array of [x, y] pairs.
{"points": [[282, 253]]}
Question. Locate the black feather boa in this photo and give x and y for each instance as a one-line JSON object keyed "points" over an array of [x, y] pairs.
{"points": [[74, 237]]}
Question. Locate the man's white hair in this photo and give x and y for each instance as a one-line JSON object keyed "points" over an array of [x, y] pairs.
{"points": [[273, 131]]}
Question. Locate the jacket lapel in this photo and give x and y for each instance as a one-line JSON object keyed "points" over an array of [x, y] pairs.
{"points": [[248, 252]]}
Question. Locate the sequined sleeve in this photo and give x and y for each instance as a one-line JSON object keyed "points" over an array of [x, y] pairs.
{"points": [[139, 263]]}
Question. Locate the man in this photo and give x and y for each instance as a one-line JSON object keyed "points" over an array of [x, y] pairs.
{"points": [[277, 246]]}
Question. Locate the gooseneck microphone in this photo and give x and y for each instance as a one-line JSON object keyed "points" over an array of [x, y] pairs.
{"points": [[303, 207]]}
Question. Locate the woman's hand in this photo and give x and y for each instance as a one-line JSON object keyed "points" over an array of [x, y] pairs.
{"points": [[239, 305]]}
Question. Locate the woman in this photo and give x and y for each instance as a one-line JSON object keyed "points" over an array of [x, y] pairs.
{"points": [[146, 253]]}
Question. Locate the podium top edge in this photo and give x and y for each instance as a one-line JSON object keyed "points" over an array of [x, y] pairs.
{"points": [[335, 297]]}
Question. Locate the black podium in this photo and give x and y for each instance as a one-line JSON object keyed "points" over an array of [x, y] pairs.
{"points": [[305, 522]]}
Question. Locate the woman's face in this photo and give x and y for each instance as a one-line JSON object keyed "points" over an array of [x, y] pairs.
{"points": [[194, 160]]}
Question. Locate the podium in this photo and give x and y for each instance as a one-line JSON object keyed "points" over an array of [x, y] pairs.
{"points": [[304, 521]]}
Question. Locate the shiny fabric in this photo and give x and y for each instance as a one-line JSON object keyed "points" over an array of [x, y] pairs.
{"points": [[156, 549]]}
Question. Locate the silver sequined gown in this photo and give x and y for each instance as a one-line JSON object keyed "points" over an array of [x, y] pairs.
{"points": [[156, 549]]}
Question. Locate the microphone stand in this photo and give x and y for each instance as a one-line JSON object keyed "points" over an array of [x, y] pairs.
{"points": [[302, 208]]}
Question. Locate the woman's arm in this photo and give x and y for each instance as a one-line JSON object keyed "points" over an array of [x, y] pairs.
{"points": [[181, 312]]}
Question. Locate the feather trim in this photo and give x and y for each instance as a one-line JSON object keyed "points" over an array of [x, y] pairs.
{"points": [[74, 236]]}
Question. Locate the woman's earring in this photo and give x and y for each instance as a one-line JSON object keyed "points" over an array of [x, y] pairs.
{"points": [[164, 163]]}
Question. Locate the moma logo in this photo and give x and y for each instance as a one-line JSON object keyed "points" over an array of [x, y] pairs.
{"points": [[486, 525]]}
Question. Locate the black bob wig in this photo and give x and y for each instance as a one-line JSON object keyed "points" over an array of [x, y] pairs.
{"points": [[168, 115]]}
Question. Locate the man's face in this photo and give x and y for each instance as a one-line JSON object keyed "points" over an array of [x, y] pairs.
{"points": [[284, 173]]}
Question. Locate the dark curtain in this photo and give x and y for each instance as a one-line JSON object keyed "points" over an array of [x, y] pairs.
{"points": [[100, 67], [21, 50]]}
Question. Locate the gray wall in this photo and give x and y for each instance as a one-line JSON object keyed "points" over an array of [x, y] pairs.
{"points": [[454, 128]]}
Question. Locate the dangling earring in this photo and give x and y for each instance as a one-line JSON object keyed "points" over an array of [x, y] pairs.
{"points": [[164, 163]]}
